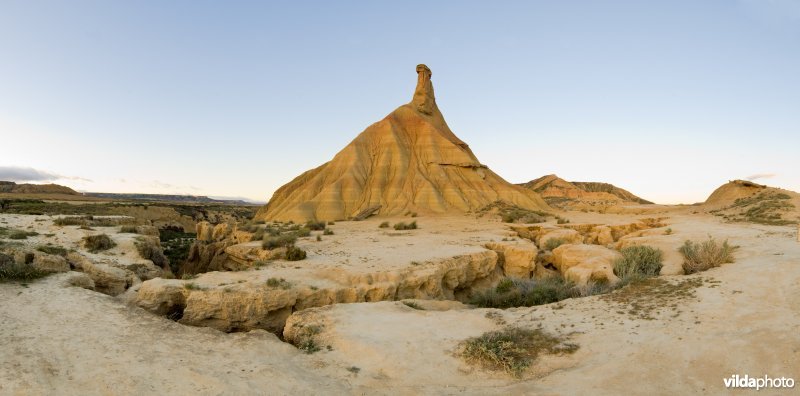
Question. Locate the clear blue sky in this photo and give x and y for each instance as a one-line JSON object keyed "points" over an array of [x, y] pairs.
{"points": [[668, 99]]}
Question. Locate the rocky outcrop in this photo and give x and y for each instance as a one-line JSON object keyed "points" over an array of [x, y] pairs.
{"points": [[582, 263], [113, 277], [208, 253], [238, 301], [517, 260], [107, 278], [408, 162], [597, 234]]}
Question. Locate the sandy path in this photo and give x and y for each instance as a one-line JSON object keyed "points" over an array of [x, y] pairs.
{"points": [[67, 340]]}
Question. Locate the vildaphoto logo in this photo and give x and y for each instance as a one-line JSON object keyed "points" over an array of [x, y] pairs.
{"points": [[745, 381]]}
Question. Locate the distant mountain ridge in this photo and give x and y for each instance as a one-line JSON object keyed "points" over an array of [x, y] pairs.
{"points": [[167, 198], [561, 193], [25, 188]]}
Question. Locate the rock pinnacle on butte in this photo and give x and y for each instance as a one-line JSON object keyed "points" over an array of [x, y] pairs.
{"points": [[410, 161]]}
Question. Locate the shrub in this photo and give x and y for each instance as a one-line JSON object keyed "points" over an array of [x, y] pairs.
{"points": [[327, 231], [56, 250], [294, 253], [319, 238], [315, 225], [512, 349], [302, 232], [638, 262], [19, 234], [305, 339], [668, 231], [403, 226], [272, 242], [11, 271], [385, 224], [128, 229], [279, 283], [72, 220], [553, 243], [561, 220], [525, 293], [700, 256], [149, 250], [412, 304], [331, 223], [192, 286], [96, 243]]}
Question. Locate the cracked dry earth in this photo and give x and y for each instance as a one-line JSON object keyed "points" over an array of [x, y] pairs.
{"points": [[673, 335]]}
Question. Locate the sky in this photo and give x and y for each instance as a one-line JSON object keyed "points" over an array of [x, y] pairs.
{"points": [[668, 99]]}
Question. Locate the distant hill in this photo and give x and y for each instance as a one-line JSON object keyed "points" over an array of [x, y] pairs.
{"points": [[745, 201], [574, 195], [167, 198], [14, 188]]}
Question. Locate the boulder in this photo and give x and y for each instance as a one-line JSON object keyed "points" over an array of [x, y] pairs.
{"points": [[107, 278], [582, 263]]}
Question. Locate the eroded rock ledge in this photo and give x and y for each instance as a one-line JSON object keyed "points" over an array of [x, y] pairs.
{"points": [[246, 300]]}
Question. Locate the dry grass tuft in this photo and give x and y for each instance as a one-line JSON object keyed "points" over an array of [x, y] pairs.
{"points": [[701, 256], [513, 349]]}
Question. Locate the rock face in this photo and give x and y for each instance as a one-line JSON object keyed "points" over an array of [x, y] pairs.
{"points": [[408, 162], [575, 195], [517, 260], [241, 301], [582, 263]]}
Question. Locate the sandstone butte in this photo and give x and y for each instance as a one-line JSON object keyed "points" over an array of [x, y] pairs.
{"points": [[410, 161]]}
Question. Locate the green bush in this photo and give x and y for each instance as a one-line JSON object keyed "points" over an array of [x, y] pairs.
{"points": [[403, 226], [327, 231], [525, 293], [700, 256], [294, 253], [512, 349], [553, 243], [638, 262], [96, 243], [385, 224]]}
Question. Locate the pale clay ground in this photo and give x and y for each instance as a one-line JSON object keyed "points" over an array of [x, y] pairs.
{"points": [[67, 340]]}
